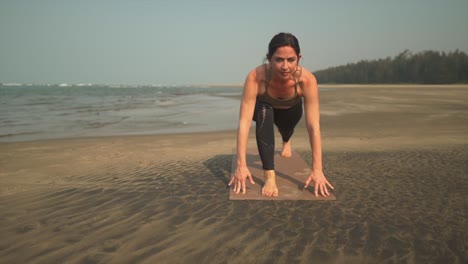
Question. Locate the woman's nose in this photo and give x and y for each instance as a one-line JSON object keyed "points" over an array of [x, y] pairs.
{"points": [[284, 66]]}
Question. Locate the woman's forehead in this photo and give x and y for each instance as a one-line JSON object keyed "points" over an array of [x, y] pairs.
{"points": [[285, 52]]}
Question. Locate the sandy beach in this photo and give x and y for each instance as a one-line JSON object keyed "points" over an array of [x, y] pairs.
{"points": [[398, 159]]}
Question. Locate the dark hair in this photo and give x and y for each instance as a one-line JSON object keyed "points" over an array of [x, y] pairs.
{"points": [[281, 40]]}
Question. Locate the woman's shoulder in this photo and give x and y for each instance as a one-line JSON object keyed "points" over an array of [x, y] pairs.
{"points": [[257, 74], [307, 78], [307, 82]]}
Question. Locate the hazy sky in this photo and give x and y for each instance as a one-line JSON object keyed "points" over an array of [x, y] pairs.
{"points": [[209, 41]]}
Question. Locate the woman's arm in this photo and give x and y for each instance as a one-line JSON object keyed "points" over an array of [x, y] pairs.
{"points": [[245, 120], [245, 116], [312, 114]]}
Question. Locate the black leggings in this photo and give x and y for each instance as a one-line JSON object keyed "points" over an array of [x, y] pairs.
{"points": [[265, 116]]}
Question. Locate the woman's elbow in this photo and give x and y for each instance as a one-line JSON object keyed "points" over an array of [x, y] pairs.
{"points": [[313, 128]]}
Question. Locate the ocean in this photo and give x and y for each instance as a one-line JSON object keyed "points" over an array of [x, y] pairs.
{"points": [[51, 112]]}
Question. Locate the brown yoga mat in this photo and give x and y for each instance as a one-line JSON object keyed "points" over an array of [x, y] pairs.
{"points": [[291, 174]]}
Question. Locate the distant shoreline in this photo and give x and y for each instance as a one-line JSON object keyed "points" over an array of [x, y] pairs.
{"points": [[220, 85], [322, 85]]}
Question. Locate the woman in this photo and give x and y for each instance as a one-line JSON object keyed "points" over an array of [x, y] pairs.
{"points": [[273, 95]]}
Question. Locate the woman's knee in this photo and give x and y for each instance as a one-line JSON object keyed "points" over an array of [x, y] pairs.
{"points": [[263, 112]]}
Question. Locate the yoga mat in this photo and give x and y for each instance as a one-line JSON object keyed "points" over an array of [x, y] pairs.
{"points": [[291, 174]]}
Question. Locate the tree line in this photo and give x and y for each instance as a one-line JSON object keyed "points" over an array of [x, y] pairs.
{"points": [[426, 67]]}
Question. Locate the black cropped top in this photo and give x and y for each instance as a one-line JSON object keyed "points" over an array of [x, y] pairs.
{"points": [[275, 102]]}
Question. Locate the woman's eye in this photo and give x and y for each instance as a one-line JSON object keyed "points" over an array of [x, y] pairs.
{"points": [[292, 60]]}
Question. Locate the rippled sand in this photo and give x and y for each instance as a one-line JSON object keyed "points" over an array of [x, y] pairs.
{"points": [[401, 197]]}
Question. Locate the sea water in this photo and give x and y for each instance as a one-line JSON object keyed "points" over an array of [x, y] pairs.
{"points": [[49, 112]]}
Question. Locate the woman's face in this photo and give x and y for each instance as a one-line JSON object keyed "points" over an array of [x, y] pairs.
{"points": [[284, 62]]}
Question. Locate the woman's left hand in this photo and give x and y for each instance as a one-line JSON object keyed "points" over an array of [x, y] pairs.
{"points": [[320, 183]]}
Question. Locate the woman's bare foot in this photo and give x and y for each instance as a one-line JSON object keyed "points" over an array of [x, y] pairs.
{"points": [[286, 151], [269, 189]]}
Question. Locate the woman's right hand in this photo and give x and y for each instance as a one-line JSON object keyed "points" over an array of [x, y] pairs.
{"points": [[238, 178]]}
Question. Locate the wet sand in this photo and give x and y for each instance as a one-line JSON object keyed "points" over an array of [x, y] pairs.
{"points": [[398, 159]]}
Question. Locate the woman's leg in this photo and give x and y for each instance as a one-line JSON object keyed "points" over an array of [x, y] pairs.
{"points": [[264, 131], [286, 120], [265, 135]]}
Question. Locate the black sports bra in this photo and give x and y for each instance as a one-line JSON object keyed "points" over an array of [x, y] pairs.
{"points": [[275, 102]]}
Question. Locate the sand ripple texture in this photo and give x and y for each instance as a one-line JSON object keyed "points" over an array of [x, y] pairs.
{"points": [[392, 207]]}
